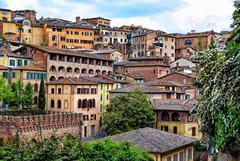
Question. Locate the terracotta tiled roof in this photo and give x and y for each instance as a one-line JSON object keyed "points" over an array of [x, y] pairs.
{"points": [[154, 140], [143, 87], [174, 104], [71, 81], [136, 64], [163, 83], [69, 52], [104, 51], [96, 80], [146, 58], [30, 67], [110, 78], [134, 75], [3, 68]]}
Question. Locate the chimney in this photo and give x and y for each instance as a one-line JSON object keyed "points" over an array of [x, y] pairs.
{"points": [[78, 19], [193, 31]]}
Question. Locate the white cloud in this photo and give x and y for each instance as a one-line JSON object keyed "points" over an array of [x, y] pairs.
{"points": [[191, 14]]}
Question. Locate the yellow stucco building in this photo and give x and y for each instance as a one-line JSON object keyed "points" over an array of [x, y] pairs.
{"points": [[5, 14], [175, 116], [162, 146]]}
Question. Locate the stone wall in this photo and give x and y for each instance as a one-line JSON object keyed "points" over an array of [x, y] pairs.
{"points": [[40, 126]]}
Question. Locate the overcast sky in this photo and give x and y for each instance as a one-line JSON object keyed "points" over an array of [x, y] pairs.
{"points": [[166, 15]]}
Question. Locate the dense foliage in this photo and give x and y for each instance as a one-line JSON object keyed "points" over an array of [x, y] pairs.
{"points": [[127, 112], [67, 148], [218, 105], [236, 22], [42, 98], [16, 95]]}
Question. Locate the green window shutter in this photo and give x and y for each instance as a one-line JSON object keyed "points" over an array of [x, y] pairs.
{"points": [[25, 62], [13, 75], [19, 62], [12, 62], [5, 74]]}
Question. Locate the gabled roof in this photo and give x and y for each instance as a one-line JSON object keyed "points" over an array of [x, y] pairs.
{"points": [[30, 67], [186, 75], [174, 104], [143, 87], [154, 140]]}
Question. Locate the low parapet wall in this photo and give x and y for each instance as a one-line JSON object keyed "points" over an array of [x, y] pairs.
{"points": [[40, 126]]}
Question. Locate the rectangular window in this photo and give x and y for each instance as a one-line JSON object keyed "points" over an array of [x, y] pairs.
{"points": [[175, 157], [175, 130], [19, 62], [93, 117], [34, 39], [181, 156], [52, 90], [79, 91], [5, 74], [59, 90], [169, 158], [13, 75], [190, 154], [25, 62], [85, 118], [12, 62]]}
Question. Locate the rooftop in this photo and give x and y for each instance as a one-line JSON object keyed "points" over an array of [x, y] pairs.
{"points": [[30, 67], [143, 87], [174, 104], [68, 52], [146, 58], [154, 140]]}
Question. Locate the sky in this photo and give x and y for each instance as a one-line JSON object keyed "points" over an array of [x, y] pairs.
{"points": [[170, 16]]}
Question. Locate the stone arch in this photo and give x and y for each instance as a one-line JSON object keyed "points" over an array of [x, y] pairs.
{"points": [[104, 72], [69, 70], [53, 68], [61, 69], [91, 72], [84, 71], [52, 78], [165, 116], [175, 116], [77, 70]]}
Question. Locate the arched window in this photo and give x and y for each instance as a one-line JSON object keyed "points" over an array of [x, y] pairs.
{"points": [[175, 116], [35, 100], [59, 78], [65, 104], [59, 104], [54, 38], [104, 72], [84, 71], [61, 69], [91, 72], [84, 103], [165, 116], [79, 103], [98, 72], [52, 78], [109, 72], [35, 87], [77, 70], [52, 104], [69, 70], [53, 68], [93, 103]]}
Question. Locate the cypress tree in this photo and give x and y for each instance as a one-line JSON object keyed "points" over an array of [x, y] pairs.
{"points": [[41, 97]]}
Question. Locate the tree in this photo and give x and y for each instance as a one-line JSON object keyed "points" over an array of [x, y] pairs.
{"points": [[28, 95], [218, 105], [127, 112], [236, 22], [41, 97], [6, 94], [68, 148], [212, 43], [18, 91]]}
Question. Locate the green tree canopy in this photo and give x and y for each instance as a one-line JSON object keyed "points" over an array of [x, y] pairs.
{"points": [[127, 112], [236, 22], [68, 149], [6, 94], [41, 97], [28, 95], [219, 105]]}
